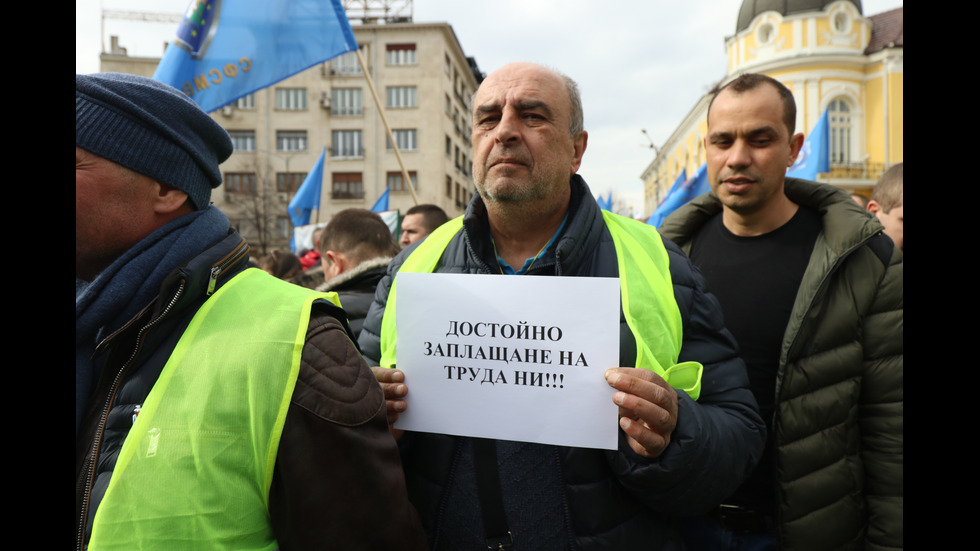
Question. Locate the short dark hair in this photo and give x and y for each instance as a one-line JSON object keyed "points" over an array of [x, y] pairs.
{"points": [[889, 192], [432, 216], [359, 234], [751, 81], [282, 264]]}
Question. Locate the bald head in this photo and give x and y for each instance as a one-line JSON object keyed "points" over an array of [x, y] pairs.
{"points": [[574, 98]]}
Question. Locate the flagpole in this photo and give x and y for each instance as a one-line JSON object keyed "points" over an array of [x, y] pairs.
{"points": [[391, 137]]}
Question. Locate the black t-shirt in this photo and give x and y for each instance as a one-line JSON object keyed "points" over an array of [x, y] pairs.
{"points": [[756, 280]]}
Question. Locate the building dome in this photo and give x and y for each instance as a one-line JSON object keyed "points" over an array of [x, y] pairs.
{"points": [[752, 8]]}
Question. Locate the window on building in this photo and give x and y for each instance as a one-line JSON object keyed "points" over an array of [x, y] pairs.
{"points": [[402, 96], [289, 182], [242, 140], [240, 182], [291, 140], [291, 99], [400, 54], [284, 228], [348, 185], [346, 101], [347, 143], [449, 147], [406, 139], [246, 102], [347, 64], [448, 64], [839, 116], [449, 187], [397, 183]]}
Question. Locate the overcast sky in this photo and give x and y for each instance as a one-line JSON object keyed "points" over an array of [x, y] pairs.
{"points": [[640, 64]]}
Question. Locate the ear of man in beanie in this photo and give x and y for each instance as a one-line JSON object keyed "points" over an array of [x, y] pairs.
{"points": [[153, 129]]}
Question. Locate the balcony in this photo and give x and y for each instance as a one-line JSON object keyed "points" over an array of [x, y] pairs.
{"points": [[856, 171]]}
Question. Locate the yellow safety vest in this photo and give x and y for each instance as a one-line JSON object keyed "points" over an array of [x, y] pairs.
{"points": [[196, 468], [645, 287]]}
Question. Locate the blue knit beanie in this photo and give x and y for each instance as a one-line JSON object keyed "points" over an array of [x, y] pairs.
{"points": [[151, 128]]}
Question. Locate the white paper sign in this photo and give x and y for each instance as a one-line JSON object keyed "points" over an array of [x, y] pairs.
{"points": [[509, 357]]}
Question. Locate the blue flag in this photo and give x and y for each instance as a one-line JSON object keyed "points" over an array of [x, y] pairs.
{"points": [[226, 50], [814, 156], [381, 204], [605, 203], [681, 192], [308, 196]]}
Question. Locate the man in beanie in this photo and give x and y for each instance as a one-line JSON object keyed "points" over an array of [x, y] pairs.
{"points": [[215, 406]]}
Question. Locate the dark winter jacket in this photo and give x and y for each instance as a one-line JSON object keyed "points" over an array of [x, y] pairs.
{"points": [[337, 466], [613, 499], [838, 424]]}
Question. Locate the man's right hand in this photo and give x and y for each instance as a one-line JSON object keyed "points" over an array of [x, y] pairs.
{"points": [[393, 384]]}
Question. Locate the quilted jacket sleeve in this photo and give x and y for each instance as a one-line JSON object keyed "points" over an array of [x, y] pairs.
{"points": [[718, 439], [882, 410], [338, 478], [369, 339]]}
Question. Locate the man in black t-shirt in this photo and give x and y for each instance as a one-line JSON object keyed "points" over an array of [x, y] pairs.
{"points": [[812, 292]]}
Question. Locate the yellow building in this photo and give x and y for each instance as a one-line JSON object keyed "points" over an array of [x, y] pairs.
{"points": [[833, 59]]}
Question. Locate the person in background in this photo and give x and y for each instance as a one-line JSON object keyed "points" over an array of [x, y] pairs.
{"points": [[420, 221], [887, 203], [355, 249]]}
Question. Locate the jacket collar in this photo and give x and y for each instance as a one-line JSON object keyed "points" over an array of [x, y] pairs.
{"points": [[378, 265], [845, 225], [582, 232]]}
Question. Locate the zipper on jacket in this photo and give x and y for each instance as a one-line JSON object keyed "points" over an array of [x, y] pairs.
{"points": [[93, 453], [781, 371], [479, 261], [232, 258], [818, 294]]}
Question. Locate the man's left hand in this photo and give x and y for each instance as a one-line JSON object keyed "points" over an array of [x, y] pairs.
{"points": [[647, 408]]}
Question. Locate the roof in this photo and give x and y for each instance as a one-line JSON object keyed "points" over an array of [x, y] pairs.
{"points": [[888, 31]]}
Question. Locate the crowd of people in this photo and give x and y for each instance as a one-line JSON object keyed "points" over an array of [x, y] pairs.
{"points": [[222, 406]]}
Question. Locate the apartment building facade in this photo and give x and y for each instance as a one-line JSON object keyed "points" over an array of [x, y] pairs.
{"points": [[425, 84]]}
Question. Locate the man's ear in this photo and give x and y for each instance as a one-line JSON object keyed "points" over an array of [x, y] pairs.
{"points": [[795, 145], [579, 143], [873, 207], [169, 200], [334, 264]]}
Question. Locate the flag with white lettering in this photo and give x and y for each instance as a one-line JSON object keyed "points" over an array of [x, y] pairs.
{"points": [[224, 50]]}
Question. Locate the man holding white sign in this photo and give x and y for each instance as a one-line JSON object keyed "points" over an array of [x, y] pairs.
{"points": [[678, 453]]}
